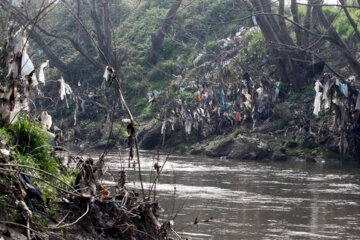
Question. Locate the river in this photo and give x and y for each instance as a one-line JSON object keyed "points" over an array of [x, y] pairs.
{"points": [[251, 200]]}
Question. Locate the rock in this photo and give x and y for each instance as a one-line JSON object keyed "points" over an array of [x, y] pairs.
{"points": [[151, 138], [291, 144], [310, 160], [10, 233], [219, 148], [309, 141], [282, 111], [247, 151], [103, 144], [198, 149], [291, 123], [278, 156], [267, 127], [334, 148], [283, 150]]}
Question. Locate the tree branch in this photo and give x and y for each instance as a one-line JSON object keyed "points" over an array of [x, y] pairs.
{"points": [[353, 24]]}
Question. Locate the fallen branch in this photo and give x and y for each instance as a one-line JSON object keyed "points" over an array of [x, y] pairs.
{"points": [[73, 223], [20, 225], [38, 178], [40, 170]]}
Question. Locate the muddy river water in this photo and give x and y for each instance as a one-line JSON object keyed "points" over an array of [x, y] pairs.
{"points": [[251, 200]]}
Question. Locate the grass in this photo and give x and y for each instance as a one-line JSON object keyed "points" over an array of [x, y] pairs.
{"points": [[33, 145]]}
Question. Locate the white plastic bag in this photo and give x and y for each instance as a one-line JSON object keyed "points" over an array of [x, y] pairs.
{"points": [[46, 120], [357, 106], [317, 100], [41, 72], [65, 89]]}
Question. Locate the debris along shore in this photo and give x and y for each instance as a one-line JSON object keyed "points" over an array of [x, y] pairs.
{"points": [[226, 107], [83, 210], [40, 196]]}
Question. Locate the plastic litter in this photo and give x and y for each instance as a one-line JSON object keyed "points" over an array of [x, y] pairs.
{"points": [[198, 58], [325, 94], [357, 106], [317, 100], [46, 120], [65, 89], [27, 66], [41, 72], [32, 192], [201, 97], [260, 99], [254, 20], [188, 121], [152, 95], [238, 117], [343, 89], [109, 74]]}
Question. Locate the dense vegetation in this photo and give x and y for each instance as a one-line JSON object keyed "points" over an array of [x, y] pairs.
{"points": [[196, 28]]}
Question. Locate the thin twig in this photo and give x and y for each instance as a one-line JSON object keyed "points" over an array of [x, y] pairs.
{"points": [[40, 170], [20, 225], [28, 228], [40, 179], [157, 175], [77, 220], [176, 233], [63, 219]]}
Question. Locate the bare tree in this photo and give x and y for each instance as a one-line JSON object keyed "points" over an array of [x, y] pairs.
{"points": [[335, 39], [100, 14], [5, 22], [293, 57]]}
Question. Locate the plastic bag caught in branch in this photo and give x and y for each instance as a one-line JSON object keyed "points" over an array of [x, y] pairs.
{"points": [[18, 46], [46, 120], [317, 100], [152, 96], [325, 95], [109, 75], [357, 106], [41, 72], [27, 66], [65, 89], [187, 124]]}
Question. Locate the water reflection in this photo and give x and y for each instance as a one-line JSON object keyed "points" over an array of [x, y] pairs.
{"points": [[251, 200]]}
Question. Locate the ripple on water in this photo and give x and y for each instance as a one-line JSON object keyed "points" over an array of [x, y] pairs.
{"points": [[251, 200]]}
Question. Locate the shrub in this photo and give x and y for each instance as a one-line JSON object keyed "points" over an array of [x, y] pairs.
{"points": [[33, 142]]}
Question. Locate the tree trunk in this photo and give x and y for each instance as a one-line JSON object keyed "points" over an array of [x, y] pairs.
{"points": [[157, 39], [290, 60], [353, 24], [338, 42], [298, 31], [5, 24], [307, 24]]}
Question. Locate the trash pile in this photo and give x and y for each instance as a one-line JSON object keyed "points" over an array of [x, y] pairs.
{"points": [[80, 210], [211, 106], [86, 209], [222, 95], [342, 100]]}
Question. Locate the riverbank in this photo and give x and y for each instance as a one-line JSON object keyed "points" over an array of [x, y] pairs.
{"points": [[50, 193], [290, 131]]}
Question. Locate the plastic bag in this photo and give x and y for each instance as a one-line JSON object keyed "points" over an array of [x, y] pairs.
{"points": [[357, 106], [317, 100], [46, 120], [41, 72]]}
